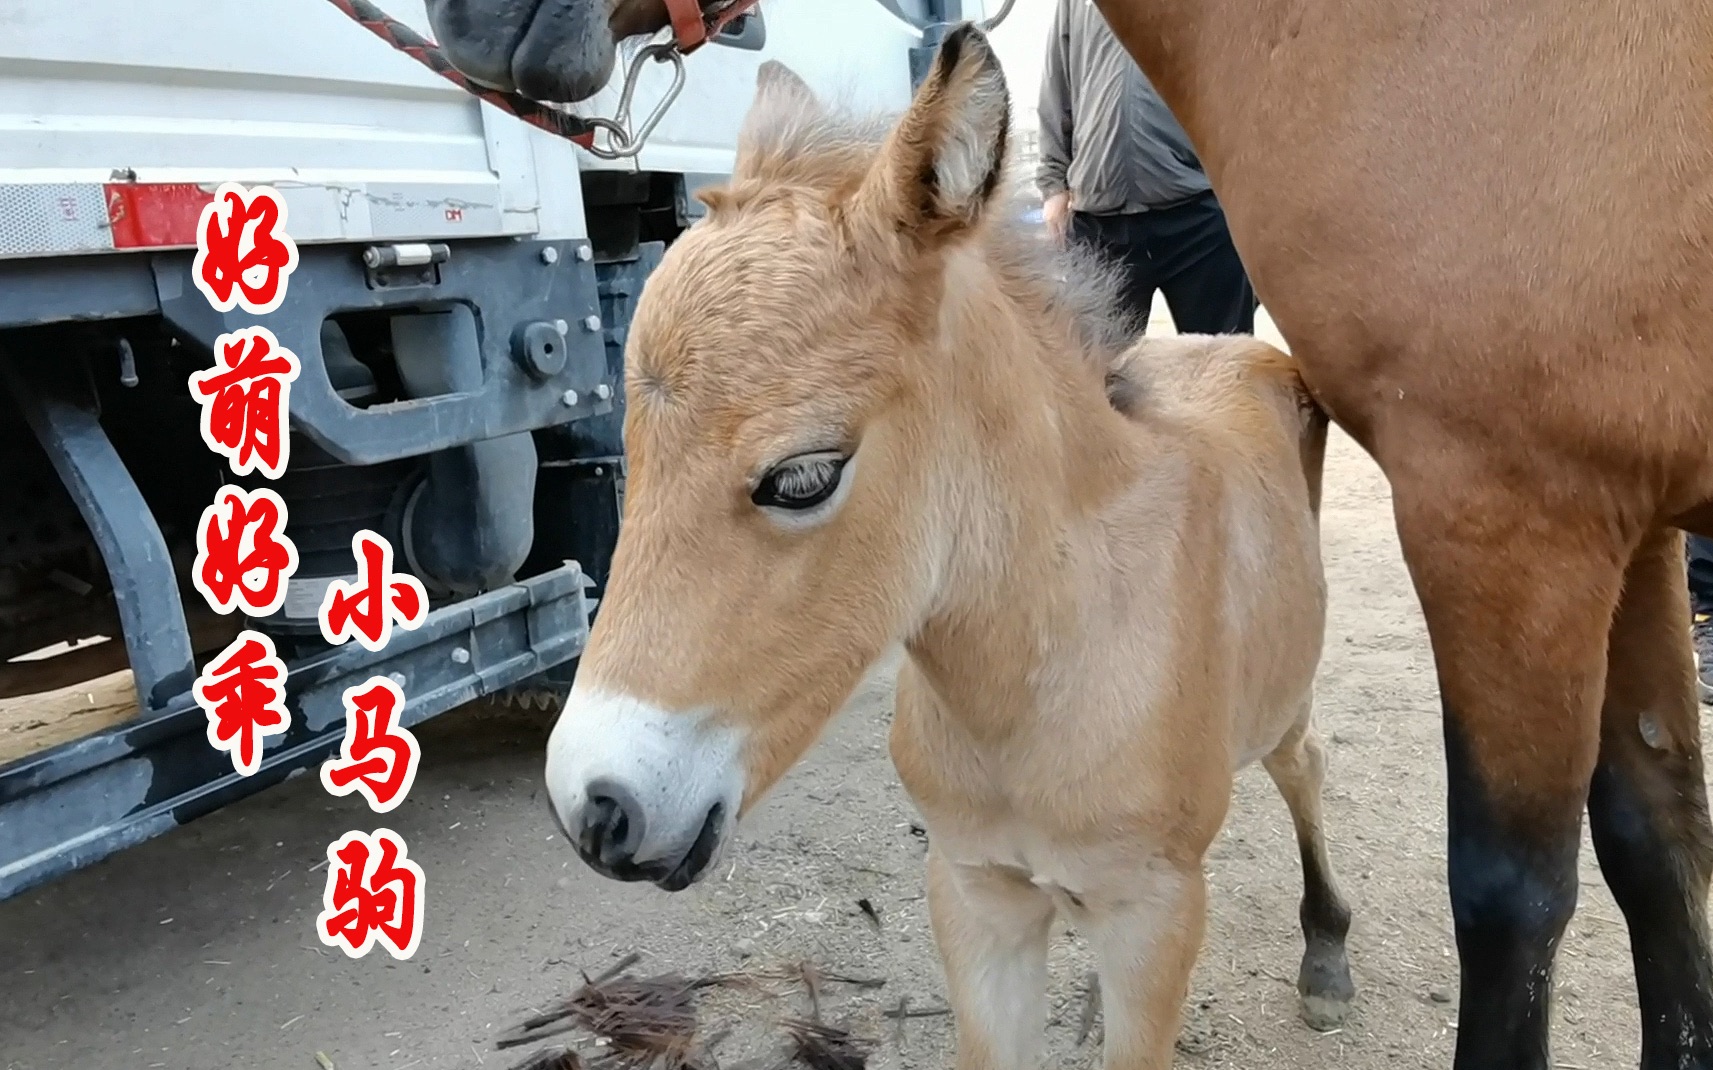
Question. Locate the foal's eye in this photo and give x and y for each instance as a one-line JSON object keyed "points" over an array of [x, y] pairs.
{"points": [[800, 483]]}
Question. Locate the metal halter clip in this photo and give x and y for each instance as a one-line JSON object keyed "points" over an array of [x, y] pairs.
{"points": [[622, 141]]}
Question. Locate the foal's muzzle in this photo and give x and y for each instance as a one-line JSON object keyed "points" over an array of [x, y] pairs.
{"points": [[643, 794]]}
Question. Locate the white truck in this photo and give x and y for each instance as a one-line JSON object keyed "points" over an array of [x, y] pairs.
{"points": [[459, 308]]}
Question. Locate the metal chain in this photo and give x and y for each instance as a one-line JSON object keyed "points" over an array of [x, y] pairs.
{"points": [[1004, 9]]}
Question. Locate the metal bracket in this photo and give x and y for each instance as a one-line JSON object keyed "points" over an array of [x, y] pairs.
{"points": [[61, 409], [72, 805], [409, 264], [746, 32], [922, 55], [511, 282]]}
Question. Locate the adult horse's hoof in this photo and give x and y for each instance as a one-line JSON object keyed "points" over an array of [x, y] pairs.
{"points": [[1325, 986], [1322, 1014]]}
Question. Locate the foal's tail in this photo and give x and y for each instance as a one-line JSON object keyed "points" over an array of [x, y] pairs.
{"points": [[1282, 369], [1311, 441]]}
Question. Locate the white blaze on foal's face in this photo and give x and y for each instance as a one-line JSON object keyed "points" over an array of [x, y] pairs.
{"points": [[779, 532]]}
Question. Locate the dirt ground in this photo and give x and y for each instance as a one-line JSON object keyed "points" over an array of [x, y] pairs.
{"points": [[195, 950]]}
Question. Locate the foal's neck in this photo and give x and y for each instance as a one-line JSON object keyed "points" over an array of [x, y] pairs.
{"points": [[1034, 455]]}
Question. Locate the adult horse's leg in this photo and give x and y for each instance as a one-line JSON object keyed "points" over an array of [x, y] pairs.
{"points": [[1518, 608], [1298, 767], [1648, 807]]}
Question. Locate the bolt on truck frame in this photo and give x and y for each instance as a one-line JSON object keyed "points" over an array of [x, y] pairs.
{"points": [[459, 309]]}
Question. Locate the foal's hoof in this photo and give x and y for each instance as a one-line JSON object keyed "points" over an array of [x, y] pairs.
{"points": [[1324, 1015]]}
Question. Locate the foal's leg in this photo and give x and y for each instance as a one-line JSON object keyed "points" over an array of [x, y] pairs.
{"points": [[1648, 807], [1298, 767], [1518, 609], [1147, 946], [992, 929]]}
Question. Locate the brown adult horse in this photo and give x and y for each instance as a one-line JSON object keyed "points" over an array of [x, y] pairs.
{"points": [[1485, 228]]}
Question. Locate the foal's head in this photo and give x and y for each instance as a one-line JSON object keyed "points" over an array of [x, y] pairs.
{"points": [[792, 404]]}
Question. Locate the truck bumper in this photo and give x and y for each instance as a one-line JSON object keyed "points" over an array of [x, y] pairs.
{"points": [[72, 805]]}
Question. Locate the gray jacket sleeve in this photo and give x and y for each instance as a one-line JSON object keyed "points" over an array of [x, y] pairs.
{"points": [[1055, 109]]}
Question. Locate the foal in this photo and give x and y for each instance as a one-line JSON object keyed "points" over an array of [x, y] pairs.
{"points": [[862, 415]]}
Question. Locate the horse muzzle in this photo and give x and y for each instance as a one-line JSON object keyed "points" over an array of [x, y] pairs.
{"points": [[643, 794], [551, 50]]}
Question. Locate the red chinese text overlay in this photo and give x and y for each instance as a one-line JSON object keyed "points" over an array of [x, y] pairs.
{"points": [[367, 609], [373, 893], [246, 401], [378, 758], [243, 256], [243, 556], [242, 690]]}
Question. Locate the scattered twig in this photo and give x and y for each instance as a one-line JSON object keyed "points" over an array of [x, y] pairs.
{"points": [[644, 1022], [551, 1059], [812, 981], [868, 910], [1091, 1007], [323, 1061], [903, 1012], [616, 969], [822, 977], [826, 1047], [534, 1030], [652, 1023], [859, 982], [871, 869]]}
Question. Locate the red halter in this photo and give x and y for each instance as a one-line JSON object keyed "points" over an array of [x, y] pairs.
{"points": [[691, 29]]}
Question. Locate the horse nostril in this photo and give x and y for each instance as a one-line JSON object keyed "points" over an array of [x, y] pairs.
{"points": [[611, 827], [606, 823]]}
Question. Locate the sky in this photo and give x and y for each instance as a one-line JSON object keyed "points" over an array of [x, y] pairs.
{"points": [[1021, 41]]}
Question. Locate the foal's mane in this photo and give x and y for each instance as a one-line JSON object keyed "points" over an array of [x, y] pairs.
{"points": [[792, 141]]}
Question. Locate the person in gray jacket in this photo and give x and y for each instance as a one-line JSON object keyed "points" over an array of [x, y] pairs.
{"points": [[1701, 607], [1117, 173]]}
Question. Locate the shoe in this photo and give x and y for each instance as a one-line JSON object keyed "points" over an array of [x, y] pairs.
{"points": [[1702, 630]]}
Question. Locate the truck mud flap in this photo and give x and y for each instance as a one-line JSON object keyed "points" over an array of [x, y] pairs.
{"points": [[74, 804]]}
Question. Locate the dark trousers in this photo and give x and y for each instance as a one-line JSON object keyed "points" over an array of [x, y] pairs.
{"points": [[1701, 574], [1185, 252]]}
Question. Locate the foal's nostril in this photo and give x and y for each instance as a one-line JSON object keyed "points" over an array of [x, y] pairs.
{"points": [[611, 828], [603, 825]]}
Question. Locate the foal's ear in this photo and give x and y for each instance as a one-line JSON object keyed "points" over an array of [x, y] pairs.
{"points": [[782, 99], [941, 164], [775, 79]]}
